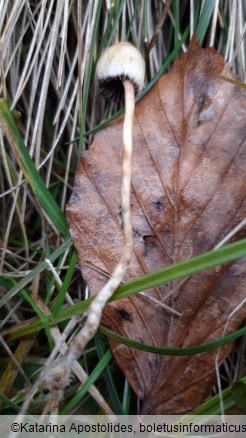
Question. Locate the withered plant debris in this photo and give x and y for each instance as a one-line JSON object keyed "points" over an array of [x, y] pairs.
{"points": [[188, 193]]}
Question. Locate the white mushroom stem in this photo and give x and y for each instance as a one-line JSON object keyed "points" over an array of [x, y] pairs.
{"points": [[95, 310]]}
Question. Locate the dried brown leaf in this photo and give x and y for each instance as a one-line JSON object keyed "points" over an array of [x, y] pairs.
{"points": [[188, 193]]}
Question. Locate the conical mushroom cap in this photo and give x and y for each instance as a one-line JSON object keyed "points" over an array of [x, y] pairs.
{"points": [[118, 62]]}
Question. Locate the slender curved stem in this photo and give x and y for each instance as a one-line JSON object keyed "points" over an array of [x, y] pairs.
{"points": [[95, 310]]}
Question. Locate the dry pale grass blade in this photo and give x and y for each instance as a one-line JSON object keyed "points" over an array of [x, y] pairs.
{"points": [[38, 38], [232, 233], [191, 18], [64, 36], [154, 55], [184, 47], [60, 348], [237, 309], [12, 314], [231, 32], [15, 364], [140, 24], [56, 275], [38, 124], [158, 28], [72, 102], [15, 12], [56, 393], [13, 60], [3, 9], [3, 87], [32, 97], [69, 160], [13, 209], [70, 82], [214, 23], [240, 50]]}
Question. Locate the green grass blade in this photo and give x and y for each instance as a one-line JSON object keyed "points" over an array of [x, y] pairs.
{"points": [[65, 285], [126, 397], [105, 38], [196, 12], [7, 283], [29, 170], [29, 277], [212, 406], [204, 20], [43, 318], [108, 376], [173, 351], [118, 12], [8, 403], [89, 382], [173, 272], [238, 392], [189, 267]]}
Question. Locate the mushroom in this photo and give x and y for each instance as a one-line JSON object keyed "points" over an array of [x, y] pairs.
{"points": [[118, 64], [120, 72]]}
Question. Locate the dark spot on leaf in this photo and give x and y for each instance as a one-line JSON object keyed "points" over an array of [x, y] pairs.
{"points": [[203, 147], [138, 234], [149, 244], [158, 205], [167, 232], [140, 340], [202, 100], [74, 196], [119, 217], [204, 108], [123, 314]]}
